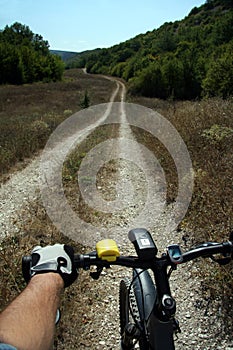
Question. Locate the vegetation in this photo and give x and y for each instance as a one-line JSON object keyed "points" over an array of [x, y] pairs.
{"points": [[207, 128], [186, 59], [25, 57], [29, 113], [85, 101], [65, 55]]}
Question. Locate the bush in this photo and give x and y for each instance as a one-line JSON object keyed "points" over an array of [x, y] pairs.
{"points": [[85, 101], [25, 57], [219, 79]]}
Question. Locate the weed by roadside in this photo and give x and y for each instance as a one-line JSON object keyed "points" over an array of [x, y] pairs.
{"points": [[85, 100]]}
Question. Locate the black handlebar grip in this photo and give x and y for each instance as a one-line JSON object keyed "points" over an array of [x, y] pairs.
{"points": [[231, 239], [26, 268]]}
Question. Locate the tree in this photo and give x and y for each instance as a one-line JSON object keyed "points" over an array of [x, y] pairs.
{"points": [[25, 57], [149, 83], [173, 77], [40, 44], [223, 30], [219, 78], [167, 41]]}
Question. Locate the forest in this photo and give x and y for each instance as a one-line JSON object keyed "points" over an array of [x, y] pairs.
{"points": [[186, 59], [25, 57]]}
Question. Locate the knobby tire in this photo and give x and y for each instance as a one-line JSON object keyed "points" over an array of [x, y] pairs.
{"points": [[126, 298]]}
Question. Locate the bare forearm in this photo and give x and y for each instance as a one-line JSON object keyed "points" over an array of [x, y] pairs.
{"points": [[28, 322]]}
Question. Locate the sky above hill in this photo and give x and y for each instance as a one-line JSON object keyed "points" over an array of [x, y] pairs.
{"points": [[74, 25]]}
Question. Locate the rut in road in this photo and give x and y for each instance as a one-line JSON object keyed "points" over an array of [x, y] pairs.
{"points": [[23, 186], [201, 328]]}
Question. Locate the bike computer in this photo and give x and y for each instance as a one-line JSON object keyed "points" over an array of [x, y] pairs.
{"points": [[174, 253]]}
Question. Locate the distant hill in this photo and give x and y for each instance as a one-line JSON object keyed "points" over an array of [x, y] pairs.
{"points": [[183, 60], [65, 55], [79, 60]]}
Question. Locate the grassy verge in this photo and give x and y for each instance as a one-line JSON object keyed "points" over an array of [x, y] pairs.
{"points": [[37, 229], [29, 113], [207, 129]]}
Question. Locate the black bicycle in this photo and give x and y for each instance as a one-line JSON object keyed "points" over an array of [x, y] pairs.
{"points": [[147, 309]]}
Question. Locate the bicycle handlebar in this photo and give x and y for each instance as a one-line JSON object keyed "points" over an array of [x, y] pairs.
{"points": [[208, 249], [205, 250], [107, 254], [85, 261]]}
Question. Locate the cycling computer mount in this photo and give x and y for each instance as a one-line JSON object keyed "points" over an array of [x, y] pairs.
{"points": [[175, 254]]}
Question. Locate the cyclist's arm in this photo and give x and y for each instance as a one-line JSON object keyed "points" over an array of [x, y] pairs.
{"points": [[28, 322]]}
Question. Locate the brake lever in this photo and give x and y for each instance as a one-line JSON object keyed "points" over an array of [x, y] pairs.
{"points": [[26, 268], [96, 274], [221, 261]]}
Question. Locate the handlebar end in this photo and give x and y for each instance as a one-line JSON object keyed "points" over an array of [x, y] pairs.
{"points": [[26, 268], [231, 236]]}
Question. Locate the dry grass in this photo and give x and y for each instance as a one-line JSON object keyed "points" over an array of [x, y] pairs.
{"points": [[71, 167], [207, 129], [39, 230], [55, 101], [210, 213], [29, 113]]}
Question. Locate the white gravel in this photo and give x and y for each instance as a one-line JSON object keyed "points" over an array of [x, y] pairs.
{"points": [[15, 195]]}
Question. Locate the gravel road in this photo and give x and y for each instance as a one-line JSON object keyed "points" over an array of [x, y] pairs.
{"points": [[200, 319]]}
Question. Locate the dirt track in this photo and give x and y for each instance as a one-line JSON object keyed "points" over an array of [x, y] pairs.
{"points": [[200, 322]]}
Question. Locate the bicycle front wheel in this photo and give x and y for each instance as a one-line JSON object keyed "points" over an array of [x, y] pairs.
{"points": [[129, 314]]}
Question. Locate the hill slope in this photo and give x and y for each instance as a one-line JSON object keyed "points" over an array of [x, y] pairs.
{"points": [[65, 55], [183, 60]]}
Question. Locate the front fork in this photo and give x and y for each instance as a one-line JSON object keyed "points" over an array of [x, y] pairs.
{"points": [[132, 334], [163, 310]]}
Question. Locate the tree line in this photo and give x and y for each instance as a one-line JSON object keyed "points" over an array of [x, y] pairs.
{"points": [[186, 59], [25, 57]]}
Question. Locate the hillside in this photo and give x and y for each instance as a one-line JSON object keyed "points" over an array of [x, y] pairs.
{"points": [[65, 55], [184, 59]]}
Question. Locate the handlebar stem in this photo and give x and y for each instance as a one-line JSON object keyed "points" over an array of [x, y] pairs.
{"points": [[161, 277]]}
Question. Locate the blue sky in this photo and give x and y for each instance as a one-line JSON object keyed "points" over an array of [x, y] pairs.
{"points": [[78, 25]]}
